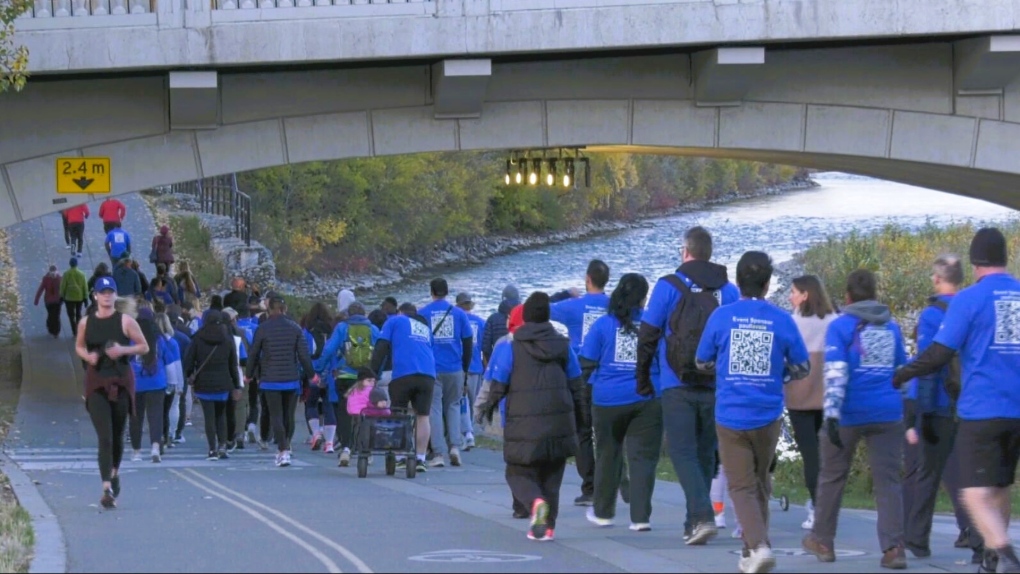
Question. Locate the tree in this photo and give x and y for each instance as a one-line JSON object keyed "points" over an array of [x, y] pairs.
{"points": [[13, 59]]}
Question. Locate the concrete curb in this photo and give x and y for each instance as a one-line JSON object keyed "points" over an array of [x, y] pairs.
{"points": [[50, 552]]}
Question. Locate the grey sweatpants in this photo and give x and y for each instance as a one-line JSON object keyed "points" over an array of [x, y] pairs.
{"points": [[446, 406], [885, 456]]}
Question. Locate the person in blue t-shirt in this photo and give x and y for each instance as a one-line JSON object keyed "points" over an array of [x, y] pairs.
{"points": [[540, 376], [929, 414], [407, 337], [754, 347], [578, 314], [688, 406], [150, 386], [983, 325], [607, 357], [452, 343], [118, 244], [863, 347], [474, 378]]}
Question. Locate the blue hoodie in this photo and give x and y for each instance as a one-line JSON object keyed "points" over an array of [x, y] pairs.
{"points": [[863, 347], [166, 353], [332, 359]]}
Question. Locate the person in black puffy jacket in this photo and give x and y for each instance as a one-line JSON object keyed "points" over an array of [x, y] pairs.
{"points": [[210, 366]]}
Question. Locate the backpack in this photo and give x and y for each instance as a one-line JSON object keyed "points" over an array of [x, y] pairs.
{"points": [[320, 334], [687, 323], [359, 346], [954, 377]]}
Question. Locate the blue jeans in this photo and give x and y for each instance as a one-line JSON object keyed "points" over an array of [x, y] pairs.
{"points": [[688, 416]]}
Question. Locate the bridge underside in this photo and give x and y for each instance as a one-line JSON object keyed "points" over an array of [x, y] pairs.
{"points": [[892, 112]]}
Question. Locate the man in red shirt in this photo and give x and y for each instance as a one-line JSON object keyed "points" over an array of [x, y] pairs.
{"points": [[75, 217], [112, 213]]}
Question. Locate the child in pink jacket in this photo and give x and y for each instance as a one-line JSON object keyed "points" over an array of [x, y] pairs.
{"points": [[364, 398]]}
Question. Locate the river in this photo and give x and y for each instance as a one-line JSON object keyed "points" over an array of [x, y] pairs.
{"points": [[779, 225]]}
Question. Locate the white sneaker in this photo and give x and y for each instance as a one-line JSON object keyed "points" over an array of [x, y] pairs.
{"points": [[345, 457], [809, 523], [137, 456], [155, 453], [600, 522], [285, 458], [454, 456], [469, 441], [437, 462], [720, 520], [738, 532], [252, 434], [640, 526], [759, 560]]}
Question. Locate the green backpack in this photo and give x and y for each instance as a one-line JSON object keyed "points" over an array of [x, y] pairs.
{"points": [[358, 351]]}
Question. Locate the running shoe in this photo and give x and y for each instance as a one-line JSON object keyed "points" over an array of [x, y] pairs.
{"points": [[108, 501], [115, 485], [539, 520]]}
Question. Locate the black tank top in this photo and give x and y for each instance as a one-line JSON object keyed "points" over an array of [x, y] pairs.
{"points": [[99, 333]]}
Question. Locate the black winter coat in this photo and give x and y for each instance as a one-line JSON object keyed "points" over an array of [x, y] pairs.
{"points": [[220, 374], [279, 352], [543, 407]]}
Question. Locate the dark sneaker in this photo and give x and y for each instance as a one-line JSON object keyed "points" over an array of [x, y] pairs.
{"points": [[963, 540], [221, 455], [520, 514], [108, 501], [702, 533], [811, 544], [212, 455], [895, 559], [687, 534], [422, 467], [115, 485], [919, 551], [584, 500]]}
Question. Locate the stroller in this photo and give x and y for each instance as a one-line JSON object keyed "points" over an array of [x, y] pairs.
{"points": [[387, 435]]}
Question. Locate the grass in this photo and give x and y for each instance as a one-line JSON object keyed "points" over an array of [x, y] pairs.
{"points": [[16, 536], [192, 244]]}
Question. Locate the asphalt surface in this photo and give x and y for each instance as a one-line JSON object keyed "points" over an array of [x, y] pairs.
{"points": [[187, 514]]}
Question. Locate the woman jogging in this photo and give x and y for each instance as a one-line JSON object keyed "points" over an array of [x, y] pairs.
{"points": [[106, 339]]}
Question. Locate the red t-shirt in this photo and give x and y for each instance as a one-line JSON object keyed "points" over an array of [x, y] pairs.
{"points": [[112, 211], [77, 214]]}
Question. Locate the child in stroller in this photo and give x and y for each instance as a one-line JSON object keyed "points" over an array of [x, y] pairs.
{"points": [[377, 428]]}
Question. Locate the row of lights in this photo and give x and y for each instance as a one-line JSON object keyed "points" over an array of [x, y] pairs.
{"points": [[521, 168]]}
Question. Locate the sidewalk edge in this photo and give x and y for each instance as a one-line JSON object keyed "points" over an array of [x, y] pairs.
{"points": [[50, 552]]}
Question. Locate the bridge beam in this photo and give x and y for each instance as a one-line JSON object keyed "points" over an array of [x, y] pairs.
{"points": [[194, 100], [722, 76], [986, 65], [459, 87]]}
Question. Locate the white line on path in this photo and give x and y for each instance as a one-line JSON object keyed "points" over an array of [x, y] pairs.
{"points": [[326, 561], [350, 556]]}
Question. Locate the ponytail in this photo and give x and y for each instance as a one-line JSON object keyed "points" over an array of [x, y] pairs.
{"points": [[627, 298]]}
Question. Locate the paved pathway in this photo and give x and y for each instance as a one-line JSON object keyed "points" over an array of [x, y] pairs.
{"points": [[243, 514]]}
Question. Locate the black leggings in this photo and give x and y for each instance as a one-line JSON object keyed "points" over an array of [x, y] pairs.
{"points": [[806, 426], [74, 314], [109, 420], [281, 414], [215, 414], [148, 405]]}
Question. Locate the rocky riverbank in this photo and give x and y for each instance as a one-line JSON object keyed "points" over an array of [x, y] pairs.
{"points": [[475, 250]]}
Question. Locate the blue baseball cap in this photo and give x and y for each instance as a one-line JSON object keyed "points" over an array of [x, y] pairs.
{"points": [[105, 284]]}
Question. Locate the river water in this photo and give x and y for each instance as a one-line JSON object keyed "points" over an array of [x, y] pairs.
{"points": [[779, 225]]}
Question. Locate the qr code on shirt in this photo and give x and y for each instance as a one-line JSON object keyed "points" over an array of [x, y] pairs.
{"points": [[587, 320], [474, 333], [443, 328], [750, 352], [626, 347], [878, 348], [1007, 322]]}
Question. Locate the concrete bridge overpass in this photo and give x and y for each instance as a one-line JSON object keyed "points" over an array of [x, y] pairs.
{"points": [[185, 98]]}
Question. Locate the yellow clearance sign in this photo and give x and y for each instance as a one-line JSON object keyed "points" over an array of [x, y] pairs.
{"points": [[83, 175]]}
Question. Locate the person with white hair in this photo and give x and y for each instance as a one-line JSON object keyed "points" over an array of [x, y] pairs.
{"points": [[344, 299]]}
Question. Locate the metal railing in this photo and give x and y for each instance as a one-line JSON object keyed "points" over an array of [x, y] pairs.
{"points": [[219, 196]]}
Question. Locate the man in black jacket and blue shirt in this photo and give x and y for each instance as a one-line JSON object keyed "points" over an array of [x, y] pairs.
{"points": [[279, 354], [688, 406]]}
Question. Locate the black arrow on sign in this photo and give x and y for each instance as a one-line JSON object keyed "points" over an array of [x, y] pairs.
{"points": [[83, 183]]}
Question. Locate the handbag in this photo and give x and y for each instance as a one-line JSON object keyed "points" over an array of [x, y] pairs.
{"points": [[191, 378], [152, 254]]}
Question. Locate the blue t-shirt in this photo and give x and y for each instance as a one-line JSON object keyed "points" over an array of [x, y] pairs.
{"points": [[120, 242], [156, 380], [751, 342], [933, 397], [983, 325], [410, 346], [477, 330], [614, 381], [578, 315], [447, 334], [502, 364], [871, 354], [661, 303]]}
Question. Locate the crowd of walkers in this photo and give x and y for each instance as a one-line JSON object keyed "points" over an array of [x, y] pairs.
{"points": [[708, 367]]}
